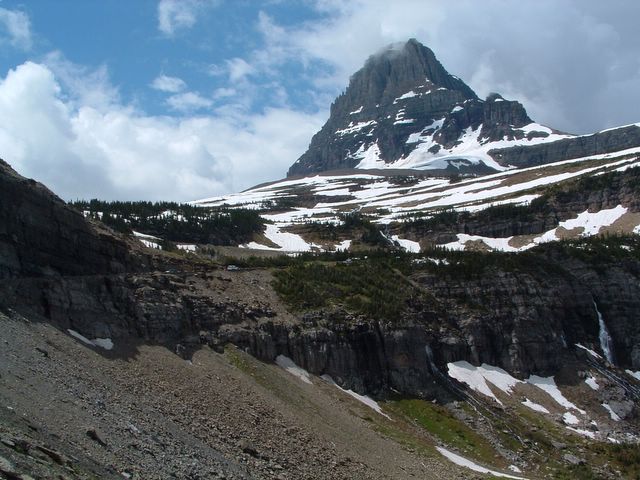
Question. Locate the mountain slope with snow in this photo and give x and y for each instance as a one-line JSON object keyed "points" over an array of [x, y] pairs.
{"points": [[394, 202], [404, 110]]}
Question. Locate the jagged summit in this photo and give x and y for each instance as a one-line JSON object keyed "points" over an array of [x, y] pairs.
{"points": [[395, 70]]}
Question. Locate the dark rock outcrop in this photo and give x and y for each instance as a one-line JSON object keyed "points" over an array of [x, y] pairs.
{"points": [[41, 236]]}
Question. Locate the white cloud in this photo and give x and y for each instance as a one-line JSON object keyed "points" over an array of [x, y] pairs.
{"points": [[238, 69], [188, 102], [110, 150], [17, 27], [175, 15], [168, 84], [85, 86]]}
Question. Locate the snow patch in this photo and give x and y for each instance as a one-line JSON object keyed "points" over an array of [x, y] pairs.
{"points": [[410, 94], [288, 242], [408, 245], [464, 462], [593, 222], [636, 375], [614, 416], [287, 364], [584, 433], [403, 121], [358, 110], [588, 350], [476, 378], [548, 384], [187, 247], [343, 246], [534, 406], [355, 127], [593, 384], [105, 343], [370, 157], [570, 419]]}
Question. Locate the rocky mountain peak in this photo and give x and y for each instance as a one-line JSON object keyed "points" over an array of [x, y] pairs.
{"points": [[402, 109], [394, 71]]}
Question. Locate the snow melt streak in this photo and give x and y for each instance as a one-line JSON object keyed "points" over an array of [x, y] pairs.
{"points": [[464, 462]]}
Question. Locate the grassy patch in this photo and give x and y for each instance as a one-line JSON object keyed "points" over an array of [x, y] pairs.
{"points": [[440, 423]]}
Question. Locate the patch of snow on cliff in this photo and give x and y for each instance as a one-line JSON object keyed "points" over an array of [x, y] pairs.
{"points": [[570, 419], [410, 94], [464, 462], [105, 343], [589, 351], [287, 364], [476, 378], [369, 158], [358, 110], [355, 127], [593, 384], [548, 385], [369, 402], [403, 121]]}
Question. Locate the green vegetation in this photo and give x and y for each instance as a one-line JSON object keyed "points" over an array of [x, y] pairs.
{"points": [[440, 423], [176, 222], [375, 285]]}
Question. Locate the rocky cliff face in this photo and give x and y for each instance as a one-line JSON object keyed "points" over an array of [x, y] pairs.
{"points": [[527, 321], [41, 236], [609, 141]]}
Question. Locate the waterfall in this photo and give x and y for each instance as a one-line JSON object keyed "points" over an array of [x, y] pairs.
{"points": [[606, 342]]}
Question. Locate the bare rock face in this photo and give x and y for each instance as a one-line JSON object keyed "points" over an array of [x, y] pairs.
{"points": [[614, 140], [41, 236]]}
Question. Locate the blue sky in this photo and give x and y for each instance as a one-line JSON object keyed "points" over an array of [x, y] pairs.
{"points": [[184, 99]]}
